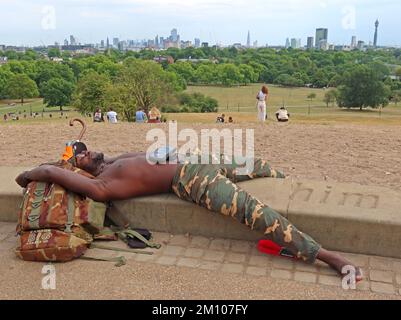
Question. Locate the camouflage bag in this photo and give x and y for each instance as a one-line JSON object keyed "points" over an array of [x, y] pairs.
{"points": [[50, 245], [47, 205], [55, 224]]}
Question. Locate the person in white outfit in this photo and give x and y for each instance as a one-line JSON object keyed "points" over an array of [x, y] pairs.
{"points": [[112, 116], [282, 115], [262, 109]]}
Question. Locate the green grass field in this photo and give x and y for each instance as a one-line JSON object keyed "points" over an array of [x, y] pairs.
{"points": [[243, 100], [240, 103]]}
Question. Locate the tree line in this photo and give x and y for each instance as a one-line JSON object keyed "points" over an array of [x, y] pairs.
{"points": [[127, 80]]}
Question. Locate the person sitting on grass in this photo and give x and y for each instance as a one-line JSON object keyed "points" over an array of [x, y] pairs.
{"points": [[221, 119], [282, 115], [140, 116], [154, 115], [211, 186]]}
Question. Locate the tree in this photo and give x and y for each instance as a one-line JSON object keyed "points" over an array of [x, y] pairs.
{"points": [[205, 74], [20, 86], [91, 92], [311, 96], [146, 82], [54, 53], [184, 69], [248, 73], [398, 73], [288, 81], [229, 74], [5, 76], [362, 88], [396, 97], [330, 97], [57, 92]]}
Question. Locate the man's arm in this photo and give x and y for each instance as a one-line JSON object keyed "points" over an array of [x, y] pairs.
{"points": [[91, 188]]}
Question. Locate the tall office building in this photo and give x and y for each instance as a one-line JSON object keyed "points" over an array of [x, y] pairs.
{"points": [[310, 42], [248, 40], [102, 44], [115, 42], [174, 35], [197, 43], [73, 42], [65, 42], [376, 33], [322, 36], [354, 43], [295, 43], [157, 41], [107, 43], [287, 43]]}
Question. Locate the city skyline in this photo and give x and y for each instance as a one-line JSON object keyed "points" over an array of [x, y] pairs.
{"points": [[48, 22]]}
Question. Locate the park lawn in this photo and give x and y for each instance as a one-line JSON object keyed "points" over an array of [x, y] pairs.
{"points": [[242, 99], [36, 106], [295, 100]]}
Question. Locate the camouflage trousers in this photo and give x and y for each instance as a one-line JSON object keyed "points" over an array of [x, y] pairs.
{"points": [[214, 187]]}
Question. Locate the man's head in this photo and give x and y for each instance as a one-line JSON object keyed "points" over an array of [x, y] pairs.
{"points": [[89, 161], [73, 148]]}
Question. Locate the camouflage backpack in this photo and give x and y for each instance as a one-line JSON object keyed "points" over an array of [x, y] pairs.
{"points": [[57, 225]]}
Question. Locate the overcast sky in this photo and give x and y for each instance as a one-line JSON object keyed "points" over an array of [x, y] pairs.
{"points": [[35, 22]]}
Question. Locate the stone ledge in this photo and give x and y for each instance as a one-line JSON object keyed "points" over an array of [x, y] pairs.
{"points": [[342, 217]]}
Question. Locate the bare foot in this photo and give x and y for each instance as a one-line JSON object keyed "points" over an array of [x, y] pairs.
{"points": [[338, 263]]}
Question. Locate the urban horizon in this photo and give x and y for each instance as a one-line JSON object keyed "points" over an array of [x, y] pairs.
{"points": [[218, 22], [318, 40]]}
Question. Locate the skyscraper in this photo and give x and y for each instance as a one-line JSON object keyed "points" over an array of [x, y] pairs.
{"points": [[107, 43], [248, 40], [115, 42], [287, 43], [73, 42], [310, 42], [157, 41], [354, 43], [376, 29], [174, 35], [322, 35]]}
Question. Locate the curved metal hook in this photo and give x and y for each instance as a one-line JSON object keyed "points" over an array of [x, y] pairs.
{"points": [[83, 127]]}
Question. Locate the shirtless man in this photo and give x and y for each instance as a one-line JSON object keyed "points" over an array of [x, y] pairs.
{"points": [[210, 186]]}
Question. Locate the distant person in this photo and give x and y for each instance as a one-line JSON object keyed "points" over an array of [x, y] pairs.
{"points": [[140, 116], [221, 119], [230, 120], [282, 115], [98, 116], [261, 104], [5, 117], [154, 115], [112, 116]]}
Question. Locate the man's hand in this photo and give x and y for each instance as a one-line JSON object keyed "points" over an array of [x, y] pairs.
{"points": [[41, 173], [22, 179]]}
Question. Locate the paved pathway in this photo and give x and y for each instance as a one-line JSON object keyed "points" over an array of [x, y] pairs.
{"points": [[189, 267]]}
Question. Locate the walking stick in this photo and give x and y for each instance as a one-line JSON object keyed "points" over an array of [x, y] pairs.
{"points": [[83, 127]]}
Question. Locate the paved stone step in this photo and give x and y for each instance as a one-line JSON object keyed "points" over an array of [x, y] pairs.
{"points": [[344, 217]]}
